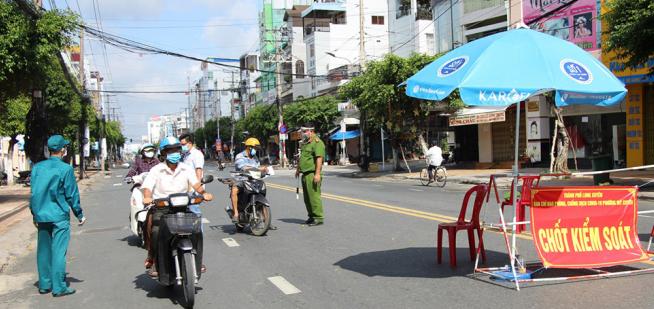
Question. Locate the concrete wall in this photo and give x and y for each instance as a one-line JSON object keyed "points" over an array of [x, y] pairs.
{"points": [[485, 143]]}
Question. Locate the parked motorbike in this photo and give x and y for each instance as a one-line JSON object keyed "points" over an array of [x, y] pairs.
{"points": [[179, 245], [137, 212], [253, 207]]}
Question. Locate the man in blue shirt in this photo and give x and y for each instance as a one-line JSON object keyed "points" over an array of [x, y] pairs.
{"points": [[54, 194]]}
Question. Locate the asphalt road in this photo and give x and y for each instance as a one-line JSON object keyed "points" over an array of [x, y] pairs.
{"points": [[376, 250]]}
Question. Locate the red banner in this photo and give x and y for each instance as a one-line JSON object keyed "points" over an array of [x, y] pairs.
{"points": [[586, 227]]}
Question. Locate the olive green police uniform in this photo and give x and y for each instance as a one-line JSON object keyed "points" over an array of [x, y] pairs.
{"points": [[309, 153]]}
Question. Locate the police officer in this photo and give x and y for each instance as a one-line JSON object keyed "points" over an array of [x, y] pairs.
{"points": [[54, 194], [312, 154]]}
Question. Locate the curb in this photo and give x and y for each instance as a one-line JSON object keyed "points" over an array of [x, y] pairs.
{"points": [[8, 214]]}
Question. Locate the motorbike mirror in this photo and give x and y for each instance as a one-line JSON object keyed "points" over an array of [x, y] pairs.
{"points": [[207, 179]]}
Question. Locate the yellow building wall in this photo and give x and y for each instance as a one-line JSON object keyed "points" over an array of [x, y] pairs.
{"points": [[635, 147]]}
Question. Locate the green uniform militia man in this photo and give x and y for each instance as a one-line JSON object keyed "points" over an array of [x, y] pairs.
{"points": [[54, 194], [312, 154]]}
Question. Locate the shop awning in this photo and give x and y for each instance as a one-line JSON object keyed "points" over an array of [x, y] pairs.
{"points": [[345, 135], [477, 115]]}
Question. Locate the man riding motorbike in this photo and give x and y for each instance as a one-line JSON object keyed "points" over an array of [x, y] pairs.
{"points": [[145, 162], [166, 178], [245, 161]]}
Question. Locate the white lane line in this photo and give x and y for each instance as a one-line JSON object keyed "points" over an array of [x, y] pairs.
{"points": [[283, 285], [230, 242], [118, 184], [416, 190], [118, 176], [205, 221], [107, 176]]}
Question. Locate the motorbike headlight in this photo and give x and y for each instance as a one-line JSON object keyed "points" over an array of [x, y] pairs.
{"points": [[179, 201]]}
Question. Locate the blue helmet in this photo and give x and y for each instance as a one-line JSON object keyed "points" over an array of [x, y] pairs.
{"points": [[169, 142]]}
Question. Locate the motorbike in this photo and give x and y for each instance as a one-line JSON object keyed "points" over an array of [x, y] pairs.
{"points": [[253, 206], [179, 245], [137, 212]]}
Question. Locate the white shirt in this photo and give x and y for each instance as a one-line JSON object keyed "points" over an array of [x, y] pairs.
{"points": [[194, 158], [163, 181], [434, 156]]}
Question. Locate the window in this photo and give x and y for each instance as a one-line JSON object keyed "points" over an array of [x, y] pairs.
{"points": [[299, 69], [431, 44], [378, 20]]}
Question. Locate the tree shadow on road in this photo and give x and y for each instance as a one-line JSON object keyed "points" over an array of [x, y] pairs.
{"points": [[414, 262]]}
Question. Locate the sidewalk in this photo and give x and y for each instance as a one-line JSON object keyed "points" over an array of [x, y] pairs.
{"points": [[15, 198]]}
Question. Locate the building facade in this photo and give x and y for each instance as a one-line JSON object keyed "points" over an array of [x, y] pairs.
{"points": [[410, 27]]}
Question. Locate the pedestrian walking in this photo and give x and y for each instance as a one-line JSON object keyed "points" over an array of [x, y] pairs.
{"points": [[54, 194], [312, 154]]}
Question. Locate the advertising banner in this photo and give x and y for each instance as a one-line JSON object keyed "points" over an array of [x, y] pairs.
{"points": [[586, 227], [576, 23]]}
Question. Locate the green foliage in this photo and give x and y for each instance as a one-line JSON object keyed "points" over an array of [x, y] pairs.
{"points": [[27, 47], [13, 116], [376, 93], [630, 33], [261, 121], [114, 134], [321, 111]]}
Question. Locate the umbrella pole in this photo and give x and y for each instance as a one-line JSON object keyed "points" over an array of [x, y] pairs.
{"points": [[514, 196]]}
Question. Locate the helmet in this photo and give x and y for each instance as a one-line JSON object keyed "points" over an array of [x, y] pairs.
{"points": [[146, 146], [252, 142], [169, 142]]}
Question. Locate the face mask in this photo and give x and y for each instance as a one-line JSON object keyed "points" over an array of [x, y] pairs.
{"points": [[305, 137], [149, 154], [65, 153], [253, 152], [185, 148], [174, 157]]}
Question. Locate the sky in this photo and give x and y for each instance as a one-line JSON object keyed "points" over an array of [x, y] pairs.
{"points": [[199, 28]]}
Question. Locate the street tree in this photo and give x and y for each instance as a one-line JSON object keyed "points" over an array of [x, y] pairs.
{"points": [[629, 32], [261, 122], [383, 103], [321, 111]]}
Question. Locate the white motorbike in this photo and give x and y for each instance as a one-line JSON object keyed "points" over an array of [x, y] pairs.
{"points": [[137, 212]]}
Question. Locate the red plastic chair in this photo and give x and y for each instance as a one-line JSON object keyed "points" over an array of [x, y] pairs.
{"points": [[528, 182], [461, 224]]}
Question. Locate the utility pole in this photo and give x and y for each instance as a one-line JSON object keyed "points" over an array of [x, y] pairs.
{"points": [[82, 121], [363, 153], [231, 109], [188, 118], [278, 90]]}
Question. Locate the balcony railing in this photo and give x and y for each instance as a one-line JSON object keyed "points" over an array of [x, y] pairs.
{"points": [[470, 6]]}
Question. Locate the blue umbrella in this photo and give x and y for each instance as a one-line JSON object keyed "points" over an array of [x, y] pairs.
{"points": [[511, 66], [508, 67]]}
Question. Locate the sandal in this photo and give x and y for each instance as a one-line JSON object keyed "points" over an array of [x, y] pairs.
{"points": [[148, 263], [153, 274], [203, 269], [235, 219]]}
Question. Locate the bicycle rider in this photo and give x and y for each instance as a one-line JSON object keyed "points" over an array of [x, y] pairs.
{"points": [[434, 158]]}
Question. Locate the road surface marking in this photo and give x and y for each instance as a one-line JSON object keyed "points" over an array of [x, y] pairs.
{"points": [[118, 176], [416, 190], [118, 184], [230, 242], [107, 176], [205, 221], [390, 208], [283, 285]]}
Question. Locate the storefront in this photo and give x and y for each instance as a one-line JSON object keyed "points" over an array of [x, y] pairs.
{"points": [[639, 110], [485, 135]]}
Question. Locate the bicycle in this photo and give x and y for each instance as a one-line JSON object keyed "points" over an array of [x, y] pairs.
{"points": [[439, 176]]}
